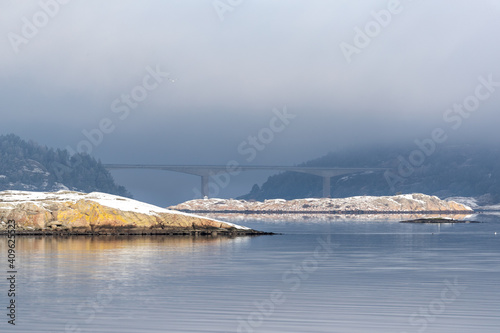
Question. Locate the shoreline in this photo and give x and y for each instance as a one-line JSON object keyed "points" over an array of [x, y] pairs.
{"points": [[141, 232]]}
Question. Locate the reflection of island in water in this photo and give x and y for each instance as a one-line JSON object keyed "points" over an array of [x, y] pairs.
{"points": [[118, 264], [311, 218], [100, 244]]}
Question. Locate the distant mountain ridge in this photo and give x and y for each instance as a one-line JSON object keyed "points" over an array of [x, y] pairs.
{"points": [[451, 171], [28, 166]]}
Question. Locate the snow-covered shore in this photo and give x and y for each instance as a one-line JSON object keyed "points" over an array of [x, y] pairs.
{"points": [[406, 203], [69, 211]]}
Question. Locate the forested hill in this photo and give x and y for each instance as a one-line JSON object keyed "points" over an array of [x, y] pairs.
{"points": [[448, 171], [29, 166]]}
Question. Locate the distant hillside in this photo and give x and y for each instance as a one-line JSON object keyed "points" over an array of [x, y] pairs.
{"points": [[29, 166], [469, 171]]}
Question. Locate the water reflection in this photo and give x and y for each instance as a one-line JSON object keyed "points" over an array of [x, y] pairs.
{"points": [[376, 280], [101, 244], [322, 218]]}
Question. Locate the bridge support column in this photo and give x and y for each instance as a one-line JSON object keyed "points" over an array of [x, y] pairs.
{"points": [[326, 186], [204, 186]]}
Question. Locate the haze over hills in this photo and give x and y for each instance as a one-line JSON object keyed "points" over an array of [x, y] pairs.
{"points": [[28, 166], [449, 171]]}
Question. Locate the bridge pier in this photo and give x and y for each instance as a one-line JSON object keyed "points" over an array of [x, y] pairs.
{"points": [[204, 186], [326, 186]]}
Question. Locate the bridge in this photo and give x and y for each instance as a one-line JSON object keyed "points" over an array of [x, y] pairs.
{"points": [[207, 171]]}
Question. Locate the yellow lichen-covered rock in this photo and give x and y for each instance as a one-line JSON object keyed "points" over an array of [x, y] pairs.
{"points": [[86, 213], [94, 212]]}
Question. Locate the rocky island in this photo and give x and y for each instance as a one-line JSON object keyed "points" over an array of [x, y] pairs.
{"points": [[67, 212], [398, 204], [438, 220]]}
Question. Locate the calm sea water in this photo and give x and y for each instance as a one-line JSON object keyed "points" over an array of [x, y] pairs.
{"points": [[343, 276]]}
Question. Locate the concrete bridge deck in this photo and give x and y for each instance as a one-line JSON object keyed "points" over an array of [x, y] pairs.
{"points": [[207, 171]]}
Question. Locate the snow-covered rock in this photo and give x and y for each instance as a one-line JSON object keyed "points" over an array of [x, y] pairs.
{"points": [[96, 211], [388, 204], [467, 201]]}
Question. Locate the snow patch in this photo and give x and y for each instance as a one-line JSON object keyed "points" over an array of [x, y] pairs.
{"points": [[467, 201], [60, 187]]}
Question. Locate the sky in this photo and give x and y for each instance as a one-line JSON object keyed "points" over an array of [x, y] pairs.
{"points": [[258, 82]]}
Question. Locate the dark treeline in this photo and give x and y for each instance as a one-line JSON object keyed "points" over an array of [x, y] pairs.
{"points": [[30, 166], [461, 170]]}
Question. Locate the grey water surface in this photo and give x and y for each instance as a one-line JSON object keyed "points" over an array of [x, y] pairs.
{"points": [[342, 276]]}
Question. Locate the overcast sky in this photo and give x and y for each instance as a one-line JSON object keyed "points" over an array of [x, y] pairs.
{"points": [[340, 74]]}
